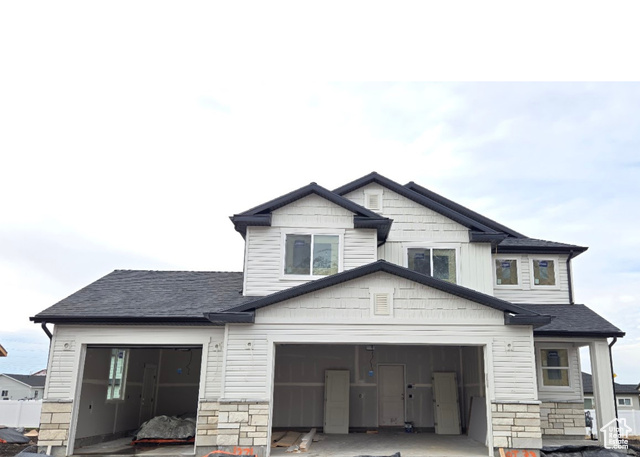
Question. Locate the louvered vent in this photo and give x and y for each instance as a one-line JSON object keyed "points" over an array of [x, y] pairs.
{"points": [[381, 304], [373, 202]]}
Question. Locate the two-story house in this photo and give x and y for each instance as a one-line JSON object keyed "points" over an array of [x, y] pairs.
{"points": [[368, 307]]}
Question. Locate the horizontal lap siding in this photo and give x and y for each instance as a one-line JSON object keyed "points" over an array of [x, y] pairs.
{"points": [[63, 372], [525, 292], [247, 372], [263, 262], [413, 223]]}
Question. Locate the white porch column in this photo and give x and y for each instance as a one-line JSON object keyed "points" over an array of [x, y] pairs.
{"points": [[602, 384]]}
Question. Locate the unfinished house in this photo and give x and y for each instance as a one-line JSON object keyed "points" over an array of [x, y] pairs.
{"points": [[384, 316]]}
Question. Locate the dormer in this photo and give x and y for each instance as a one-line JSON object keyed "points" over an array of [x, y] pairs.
{"points": [[305, 235]]}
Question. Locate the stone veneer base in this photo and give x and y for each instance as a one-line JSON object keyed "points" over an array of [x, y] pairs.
{"points": [[516, 425], [562, 419]]}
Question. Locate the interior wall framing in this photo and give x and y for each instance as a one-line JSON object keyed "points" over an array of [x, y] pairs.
{"points": [[299, 380]]}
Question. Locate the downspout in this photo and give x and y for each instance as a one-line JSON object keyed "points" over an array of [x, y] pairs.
{"points": [[569, 277], [46, 330], [613, 378]]}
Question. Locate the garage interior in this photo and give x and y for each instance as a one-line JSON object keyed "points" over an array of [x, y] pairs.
{"points": [[123, 387], [392, 392]]}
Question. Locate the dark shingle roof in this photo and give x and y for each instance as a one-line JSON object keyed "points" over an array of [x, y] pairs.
{"points": [[573, 320], [33, 381], [587, 386], [141, 295], [525, 245]]}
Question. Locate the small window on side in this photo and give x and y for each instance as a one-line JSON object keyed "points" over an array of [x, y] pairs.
{"points": [[117, 374], [555, 367], [544, 273], [506, 272], [5, 393], [624, 402], [588, 403]]}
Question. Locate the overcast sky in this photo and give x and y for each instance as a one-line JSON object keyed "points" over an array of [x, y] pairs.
{"points": [[127, 140]]}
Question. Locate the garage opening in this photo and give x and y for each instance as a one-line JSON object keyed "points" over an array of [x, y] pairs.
{"points": [[138, 398], [380, 399]]}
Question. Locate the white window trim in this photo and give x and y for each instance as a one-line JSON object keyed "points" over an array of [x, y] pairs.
{"points": [[541, 386], [381, 290], [125, 372], [533, 284], [379, 193], [329, 232], [518, 260], [624, 399], [431, 245]]}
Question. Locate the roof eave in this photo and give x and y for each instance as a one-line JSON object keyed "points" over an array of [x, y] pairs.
{"points": [[558, 250], [536, 320], [582, 334], [102, 320], [222, 318]]}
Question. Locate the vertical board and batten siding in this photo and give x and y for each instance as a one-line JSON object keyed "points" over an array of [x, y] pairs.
{"points": [[572, 393], [63, 370], [341, 314], [263, 250], [525, 292], [414, 223]]}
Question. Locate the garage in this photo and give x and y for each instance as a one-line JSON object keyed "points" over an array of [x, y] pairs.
{"points": [[407, 398], [125, 387]]}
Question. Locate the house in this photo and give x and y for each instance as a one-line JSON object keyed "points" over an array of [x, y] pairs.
{"points": [[366, 307], [627, 395], [21, 387]]}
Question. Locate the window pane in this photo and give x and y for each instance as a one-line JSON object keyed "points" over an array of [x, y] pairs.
{"points": [[325, 254], [419, 260], [588, 403], [444, 264], [506, 272], [555, 358], [544, 273], [297, 255], [555, 377]]}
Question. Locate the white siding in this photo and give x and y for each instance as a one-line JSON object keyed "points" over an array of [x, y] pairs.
{"points": [[62, 373], [525, 292], [16, 390], [414, 223], [572, 393], [341, 314], [263, 254]]}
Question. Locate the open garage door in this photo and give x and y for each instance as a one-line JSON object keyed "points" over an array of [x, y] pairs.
{"points": [[125, 387], [391, 392]]}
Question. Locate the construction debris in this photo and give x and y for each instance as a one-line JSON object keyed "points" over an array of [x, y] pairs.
{"points": [[307, 439], [289, 439]]}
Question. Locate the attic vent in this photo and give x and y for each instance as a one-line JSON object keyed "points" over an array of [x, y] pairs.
{"points": [[381, 304], [381, 301], [373, 200]]}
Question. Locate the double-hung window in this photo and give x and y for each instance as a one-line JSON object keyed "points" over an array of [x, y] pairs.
{"points": [[506, 272], [117, 374], [311, 254], [437, 262], [544, 272], [555, 367]]}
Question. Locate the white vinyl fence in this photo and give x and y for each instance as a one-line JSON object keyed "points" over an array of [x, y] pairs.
{"points": [[20, 413], [632, 419]]}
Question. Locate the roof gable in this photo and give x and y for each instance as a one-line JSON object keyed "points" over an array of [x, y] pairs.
{"points": [[516, 315], [27, 380], [261, 215]]}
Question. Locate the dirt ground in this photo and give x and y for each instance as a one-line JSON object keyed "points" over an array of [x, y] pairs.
{"points": [[9, 450]]}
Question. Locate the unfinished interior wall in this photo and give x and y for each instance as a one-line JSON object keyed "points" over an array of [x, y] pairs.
{"points": [[176, 390], [299, 380]]}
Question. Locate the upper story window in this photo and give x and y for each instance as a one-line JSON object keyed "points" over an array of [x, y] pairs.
{"points": [[555, 367], [311, 254], [544, 272], [506, 272], [439, 263], [624, 401]]}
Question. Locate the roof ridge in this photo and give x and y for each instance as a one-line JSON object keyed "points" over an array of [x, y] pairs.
{"points": [[176, 271]]}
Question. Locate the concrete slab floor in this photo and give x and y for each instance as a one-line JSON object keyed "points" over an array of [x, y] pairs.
{"points": [[389, 442], [123, 447]]}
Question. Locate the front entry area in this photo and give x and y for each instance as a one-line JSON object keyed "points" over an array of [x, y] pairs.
{"points": [[419, 400]]}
